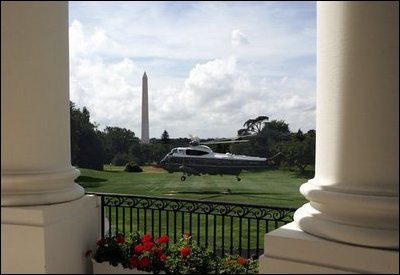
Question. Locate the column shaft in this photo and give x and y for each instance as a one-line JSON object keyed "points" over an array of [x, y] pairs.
{"points": [[35, 124], [354, 195]]}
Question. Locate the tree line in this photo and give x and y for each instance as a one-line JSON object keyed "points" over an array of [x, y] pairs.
{"points": [[92, 148], [268, 138]]}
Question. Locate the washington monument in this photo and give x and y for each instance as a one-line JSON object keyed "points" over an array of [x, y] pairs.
{"points": [[145, 110]]}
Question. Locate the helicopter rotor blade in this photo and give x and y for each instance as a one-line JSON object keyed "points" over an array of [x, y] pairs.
{"points": [[195, 140], [224, 142]]}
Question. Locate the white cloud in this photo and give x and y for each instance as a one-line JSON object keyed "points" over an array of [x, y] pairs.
{"points": [[238, 38], [218, 98], [204, 78], [108, 89]]}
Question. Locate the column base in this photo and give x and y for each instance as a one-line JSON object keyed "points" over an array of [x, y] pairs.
{"points": [[381, 234], [40, 188], [290, 250], [49, 239]]}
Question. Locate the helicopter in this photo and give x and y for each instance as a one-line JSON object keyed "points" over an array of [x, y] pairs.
{"points": [[198, 159]]}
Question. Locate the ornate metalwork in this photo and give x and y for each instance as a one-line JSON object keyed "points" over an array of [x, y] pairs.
{"points": [[248, 211], [268, 216]]}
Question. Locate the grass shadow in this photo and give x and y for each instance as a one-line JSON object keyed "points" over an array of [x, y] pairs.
{"points": [[89, 184], [89, 179], [113, 171], [267, 168], [86, 181], [308, 174]]}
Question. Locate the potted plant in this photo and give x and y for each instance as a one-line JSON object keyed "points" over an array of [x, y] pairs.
{"points": [[141, 254], [134, 254]]}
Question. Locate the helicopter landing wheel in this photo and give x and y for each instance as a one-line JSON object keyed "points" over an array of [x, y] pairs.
{"points": [[183, 178]]}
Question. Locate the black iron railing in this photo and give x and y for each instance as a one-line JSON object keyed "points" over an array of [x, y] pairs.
{"points": [[224, 227]]}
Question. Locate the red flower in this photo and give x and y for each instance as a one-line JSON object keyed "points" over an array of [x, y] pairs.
{"points": [[228, 261], [101, 242], [163, 239], [134, 261], [185, 251], [241, 261], [139, 248], [120, 239], [158, 251], [88, 253], [144, 262], [148, 246], [138, 251], [147, 238]]}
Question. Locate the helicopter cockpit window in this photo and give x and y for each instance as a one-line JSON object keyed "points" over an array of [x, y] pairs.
{"points": [[191, 152]]}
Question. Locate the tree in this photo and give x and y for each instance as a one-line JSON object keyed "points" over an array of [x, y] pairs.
{"points": [[276, 133], [86, 146], [91, 153], [257, 141], [253, 126], [141, 153], [165, 137], [120, 159], [300, 150], [74, 132], [243, 132], [116, 141]]}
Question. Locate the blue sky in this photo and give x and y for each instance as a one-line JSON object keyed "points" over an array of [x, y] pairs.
{"points": [[211, 65]]}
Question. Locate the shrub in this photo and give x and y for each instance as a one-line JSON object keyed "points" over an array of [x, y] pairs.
{"points": [[133, 167], [235, 264], [120, 159], [186, 257]]}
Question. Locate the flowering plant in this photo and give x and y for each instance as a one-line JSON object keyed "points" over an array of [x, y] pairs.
{"points": [[113, 249], [137, 250], [186, 257], [235, 264], [142, 252]]}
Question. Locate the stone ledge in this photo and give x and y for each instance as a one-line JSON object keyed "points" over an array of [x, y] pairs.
{"points": [[291, 244]]}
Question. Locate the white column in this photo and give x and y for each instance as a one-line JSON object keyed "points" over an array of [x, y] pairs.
{"points": [[354, 197], [47, 224], [35, 124], [350, 224]]}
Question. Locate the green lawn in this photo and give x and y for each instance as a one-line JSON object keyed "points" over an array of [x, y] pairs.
{"points": [[269, 187]]}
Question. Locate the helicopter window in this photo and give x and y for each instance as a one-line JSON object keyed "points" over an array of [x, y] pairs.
{"points": [[191, 152]]}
